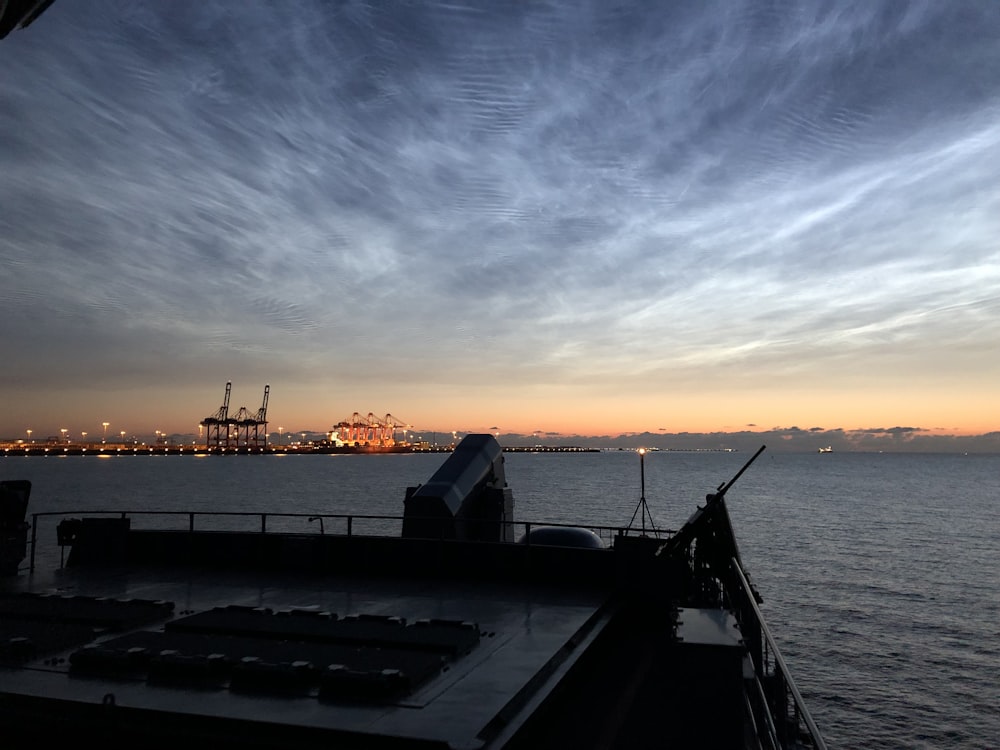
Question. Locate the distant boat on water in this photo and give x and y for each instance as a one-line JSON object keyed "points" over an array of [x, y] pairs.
{"points": [[827, 449]]}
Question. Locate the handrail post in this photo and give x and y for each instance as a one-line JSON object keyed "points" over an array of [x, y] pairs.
{"points": [[34, 540], [263, 523], [350, 524], [191, 522]]}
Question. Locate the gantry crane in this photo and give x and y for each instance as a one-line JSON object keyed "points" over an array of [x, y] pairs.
{"points": [[242, 429], [260, 437], [369, 430], [215, 422], [389, 426], [248, 432]]}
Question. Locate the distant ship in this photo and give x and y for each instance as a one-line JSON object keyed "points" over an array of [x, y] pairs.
{"points": [[827, 449]]}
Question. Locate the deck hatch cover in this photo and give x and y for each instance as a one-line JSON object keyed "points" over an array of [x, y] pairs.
{"points": [[360, 658]]}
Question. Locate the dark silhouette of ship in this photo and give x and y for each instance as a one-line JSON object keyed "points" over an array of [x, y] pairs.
{"points": [[20, 14], [454, 626]]}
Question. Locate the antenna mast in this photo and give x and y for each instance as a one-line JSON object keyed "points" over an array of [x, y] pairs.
{"points": [[642, 508]]}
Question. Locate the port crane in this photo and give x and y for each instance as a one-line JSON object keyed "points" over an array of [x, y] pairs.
{"points": [[214, 437], [368, 430], [244, 428], [248, 432]]}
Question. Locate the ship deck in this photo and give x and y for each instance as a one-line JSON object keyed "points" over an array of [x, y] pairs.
{"points": [[497, 645], [449, 635]]}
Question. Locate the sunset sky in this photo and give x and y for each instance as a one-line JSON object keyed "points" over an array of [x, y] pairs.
{"points": [[574, 217]]}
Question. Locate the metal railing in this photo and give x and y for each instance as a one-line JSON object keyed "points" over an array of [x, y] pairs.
{"points": [[771, 698], [344, 524], [774, 704]]}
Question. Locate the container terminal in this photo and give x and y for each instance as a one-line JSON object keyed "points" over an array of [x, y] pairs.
{"points": [[245, 432]]}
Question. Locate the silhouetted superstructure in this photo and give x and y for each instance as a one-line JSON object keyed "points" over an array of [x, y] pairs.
{"points": [[14, 495], [243, 429], [455, 626], [19, 14]]}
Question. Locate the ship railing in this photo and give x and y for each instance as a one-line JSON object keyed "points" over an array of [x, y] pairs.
{"points": [[773, 700], [343, 524]]}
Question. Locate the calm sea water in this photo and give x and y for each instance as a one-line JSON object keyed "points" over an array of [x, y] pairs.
{"points": [[879, 572]]}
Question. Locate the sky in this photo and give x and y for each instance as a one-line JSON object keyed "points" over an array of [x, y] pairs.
{"points": [[564, 218]]}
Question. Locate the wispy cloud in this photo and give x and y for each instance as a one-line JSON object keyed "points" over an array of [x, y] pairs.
{"points": [[561, 193]]}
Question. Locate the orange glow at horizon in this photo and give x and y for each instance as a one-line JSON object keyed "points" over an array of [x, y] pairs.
{"points": [[542, 411]]}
